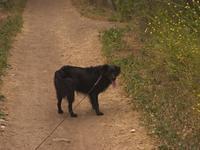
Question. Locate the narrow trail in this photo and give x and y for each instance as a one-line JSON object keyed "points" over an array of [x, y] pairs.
{"points": [[55, 34]]}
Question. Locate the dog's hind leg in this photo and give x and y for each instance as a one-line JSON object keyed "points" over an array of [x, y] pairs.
{"points": [[95, 103], [70, 98]]}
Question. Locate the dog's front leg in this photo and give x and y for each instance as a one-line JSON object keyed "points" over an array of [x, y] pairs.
{"points": [[95, 103]]}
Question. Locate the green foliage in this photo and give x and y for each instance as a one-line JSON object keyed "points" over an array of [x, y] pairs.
{"points": [[163, 78]]}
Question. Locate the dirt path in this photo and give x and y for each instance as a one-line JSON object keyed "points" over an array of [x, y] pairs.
{"points": [[55, 34]]}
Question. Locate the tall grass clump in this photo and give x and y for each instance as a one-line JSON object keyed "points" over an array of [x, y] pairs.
{"points": [[164, 77]]}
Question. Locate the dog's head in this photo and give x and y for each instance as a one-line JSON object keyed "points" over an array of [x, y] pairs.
{"points": [[111, 72]]}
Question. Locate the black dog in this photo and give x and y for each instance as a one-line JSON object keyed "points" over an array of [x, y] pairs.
{"points": [[90, 81]]}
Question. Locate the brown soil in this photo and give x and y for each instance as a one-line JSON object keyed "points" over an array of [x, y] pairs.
{"points": [[54, 34], [3, 15]]}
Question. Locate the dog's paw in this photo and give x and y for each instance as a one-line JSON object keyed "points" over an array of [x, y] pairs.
{"points": [[99, 114], [60, 111], [74, 115]]}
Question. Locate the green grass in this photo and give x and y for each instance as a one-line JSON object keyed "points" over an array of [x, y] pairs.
{"points": [[9, 27], [8, 30], [164, 89], [112, 41]]}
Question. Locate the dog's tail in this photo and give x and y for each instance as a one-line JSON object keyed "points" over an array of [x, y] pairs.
{"points": [[60, 75]]}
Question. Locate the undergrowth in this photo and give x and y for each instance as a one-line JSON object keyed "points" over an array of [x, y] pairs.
{"points": [[163, 79]]}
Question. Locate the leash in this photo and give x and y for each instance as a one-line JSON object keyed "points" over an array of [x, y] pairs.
{"points": [[49, 135]]}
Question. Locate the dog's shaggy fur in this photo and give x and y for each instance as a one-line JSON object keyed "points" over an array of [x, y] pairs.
{"points": [[69, 79]]}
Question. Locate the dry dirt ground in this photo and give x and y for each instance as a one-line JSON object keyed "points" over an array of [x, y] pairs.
{"points": [[55, 34], [3, 14]]}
